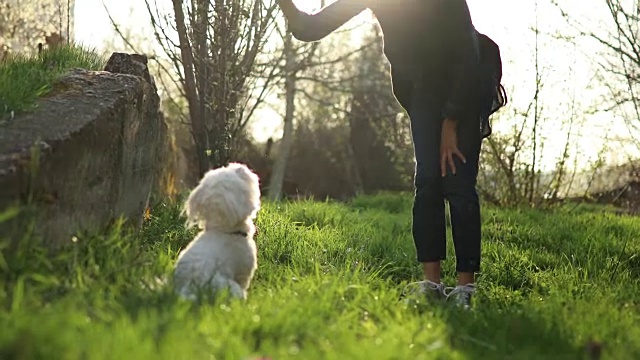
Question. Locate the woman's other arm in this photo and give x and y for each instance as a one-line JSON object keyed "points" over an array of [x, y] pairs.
{"points": [[314, 27]]}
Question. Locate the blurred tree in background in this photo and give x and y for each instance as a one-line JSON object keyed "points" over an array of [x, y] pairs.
{"points": [[343, 132], [25, 24]]}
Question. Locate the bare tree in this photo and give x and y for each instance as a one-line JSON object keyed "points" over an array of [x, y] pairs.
{"points": [[296, 66], [212, 61], [379, 131], [279, 168], [511, 167], [533, 180], [618, 35]]}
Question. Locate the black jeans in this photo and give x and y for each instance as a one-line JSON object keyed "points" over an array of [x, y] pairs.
{"points": [[431, 189]]}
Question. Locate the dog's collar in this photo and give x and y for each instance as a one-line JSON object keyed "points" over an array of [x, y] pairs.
{"points": [[240, 233]]}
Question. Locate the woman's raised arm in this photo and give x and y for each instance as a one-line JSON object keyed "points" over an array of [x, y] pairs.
{"points": [[313, 27]]}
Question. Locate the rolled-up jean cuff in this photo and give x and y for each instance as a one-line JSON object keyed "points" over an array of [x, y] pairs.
{"points": [[426, 258], [468, 265]]}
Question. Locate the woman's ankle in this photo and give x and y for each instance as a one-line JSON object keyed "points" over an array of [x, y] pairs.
{"points": [[432, 271], [465, 278]]}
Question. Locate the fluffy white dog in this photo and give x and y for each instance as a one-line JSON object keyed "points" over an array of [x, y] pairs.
{"points": [[223, 254]]}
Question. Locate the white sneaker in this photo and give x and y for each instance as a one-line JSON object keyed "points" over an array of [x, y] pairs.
{"points": [[426, 289], [460, 295]]}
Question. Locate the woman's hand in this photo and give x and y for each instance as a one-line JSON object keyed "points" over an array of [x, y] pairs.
{"points": [[449, 146], [313, 27]]}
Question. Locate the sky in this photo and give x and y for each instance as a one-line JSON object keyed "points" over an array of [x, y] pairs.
{"points": [[567, 71]]}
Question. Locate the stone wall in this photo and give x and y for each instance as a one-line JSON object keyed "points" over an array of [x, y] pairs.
{"points": [[90, 152]]}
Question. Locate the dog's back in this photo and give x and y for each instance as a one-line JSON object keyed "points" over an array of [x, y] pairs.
{"points": [[216, 260]]}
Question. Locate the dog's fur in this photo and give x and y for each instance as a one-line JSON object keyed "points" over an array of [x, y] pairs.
{"points": [[223, 255]]}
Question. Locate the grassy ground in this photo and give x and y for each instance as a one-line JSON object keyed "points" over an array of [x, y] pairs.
{"points": [[25, 78], [330, 276]]}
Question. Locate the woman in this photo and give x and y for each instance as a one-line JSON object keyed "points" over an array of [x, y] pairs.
{"points": [[432, 48]]}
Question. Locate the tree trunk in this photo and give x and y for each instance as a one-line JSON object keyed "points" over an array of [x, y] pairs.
{"points": [[223, 106], [280, 166], [352, 167], [536, 117], [198, 127]]}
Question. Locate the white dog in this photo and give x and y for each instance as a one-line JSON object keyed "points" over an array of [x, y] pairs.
{"points": [[223, 255]]}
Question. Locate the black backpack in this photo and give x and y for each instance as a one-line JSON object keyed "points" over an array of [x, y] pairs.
{"points": [[493, 94]]}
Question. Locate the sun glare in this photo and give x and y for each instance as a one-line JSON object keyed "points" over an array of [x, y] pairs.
{"points": [[509, 23]]}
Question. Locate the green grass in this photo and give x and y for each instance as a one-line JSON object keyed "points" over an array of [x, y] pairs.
{"points": [[23, 79], [328, 285]]}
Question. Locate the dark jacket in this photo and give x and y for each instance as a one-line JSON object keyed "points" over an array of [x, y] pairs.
{"points": [[430, 43]]}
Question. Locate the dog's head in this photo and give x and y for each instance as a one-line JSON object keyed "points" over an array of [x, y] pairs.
{"points": [[225, 198]]}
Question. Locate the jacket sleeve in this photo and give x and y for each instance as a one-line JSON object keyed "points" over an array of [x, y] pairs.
{"points": [[313, 27], [462, 55]]}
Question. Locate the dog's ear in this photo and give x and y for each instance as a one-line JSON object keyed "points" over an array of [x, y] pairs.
{"points": [[253, 181], [213, 204], [244, 172], [195, 206], [247, 175]]}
